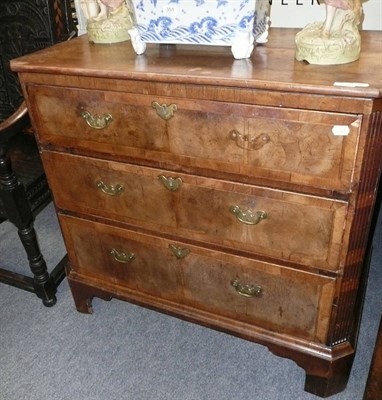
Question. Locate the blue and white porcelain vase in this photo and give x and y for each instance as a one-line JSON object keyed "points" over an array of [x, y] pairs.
{"points": [[236, 23]]}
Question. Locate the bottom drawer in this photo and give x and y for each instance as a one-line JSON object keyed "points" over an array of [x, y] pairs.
{"points": [[242, 289]]}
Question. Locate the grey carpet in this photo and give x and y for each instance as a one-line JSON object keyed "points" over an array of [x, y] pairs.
{"points": [[124, 352]]}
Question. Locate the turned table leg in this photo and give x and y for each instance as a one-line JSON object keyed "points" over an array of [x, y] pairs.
{"points": [[18, 211]]}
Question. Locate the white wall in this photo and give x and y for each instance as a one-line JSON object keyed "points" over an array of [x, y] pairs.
{"points": [[298, 13], [295, 13]]}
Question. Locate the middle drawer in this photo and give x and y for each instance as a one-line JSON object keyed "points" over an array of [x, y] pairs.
{"points": [[282, 225]]}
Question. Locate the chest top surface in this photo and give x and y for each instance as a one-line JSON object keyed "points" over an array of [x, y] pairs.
{"points": [[271, 67]]}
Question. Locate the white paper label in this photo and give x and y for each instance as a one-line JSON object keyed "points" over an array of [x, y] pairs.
{"points": [[340, 130], [170, 10]]}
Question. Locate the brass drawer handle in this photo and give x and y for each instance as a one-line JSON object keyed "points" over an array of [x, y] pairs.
{"points": [[163, 110], [246, 142], [121, 257], [171, 183], [247, 290], [97, 121], [248, 217], [111, 190], [179, 252]]}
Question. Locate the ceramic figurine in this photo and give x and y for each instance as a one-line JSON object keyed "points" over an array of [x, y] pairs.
{"points": [[108, 21], [335, 40]]}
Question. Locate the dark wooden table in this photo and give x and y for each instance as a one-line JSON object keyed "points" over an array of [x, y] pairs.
{"points": [[373, 390]]}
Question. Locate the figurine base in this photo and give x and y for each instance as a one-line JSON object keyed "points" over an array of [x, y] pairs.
{"points": [[111, 29], [342, 46]]}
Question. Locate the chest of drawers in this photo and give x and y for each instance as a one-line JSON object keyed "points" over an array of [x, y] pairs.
{"points": [[237, 194]]}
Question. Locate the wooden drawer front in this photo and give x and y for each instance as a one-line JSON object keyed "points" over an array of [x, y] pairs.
{"points": [[297, 228], [287, 301], [279, 144], [119, 256]]}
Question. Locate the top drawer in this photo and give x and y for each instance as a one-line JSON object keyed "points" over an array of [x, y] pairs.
{"points": [[295, 146]]}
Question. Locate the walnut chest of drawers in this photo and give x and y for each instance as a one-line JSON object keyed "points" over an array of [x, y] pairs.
{"points": [[237, 194]]}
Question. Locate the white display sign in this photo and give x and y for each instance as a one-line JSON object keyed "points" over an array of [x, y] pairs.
{"points": [[298, 13]]}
